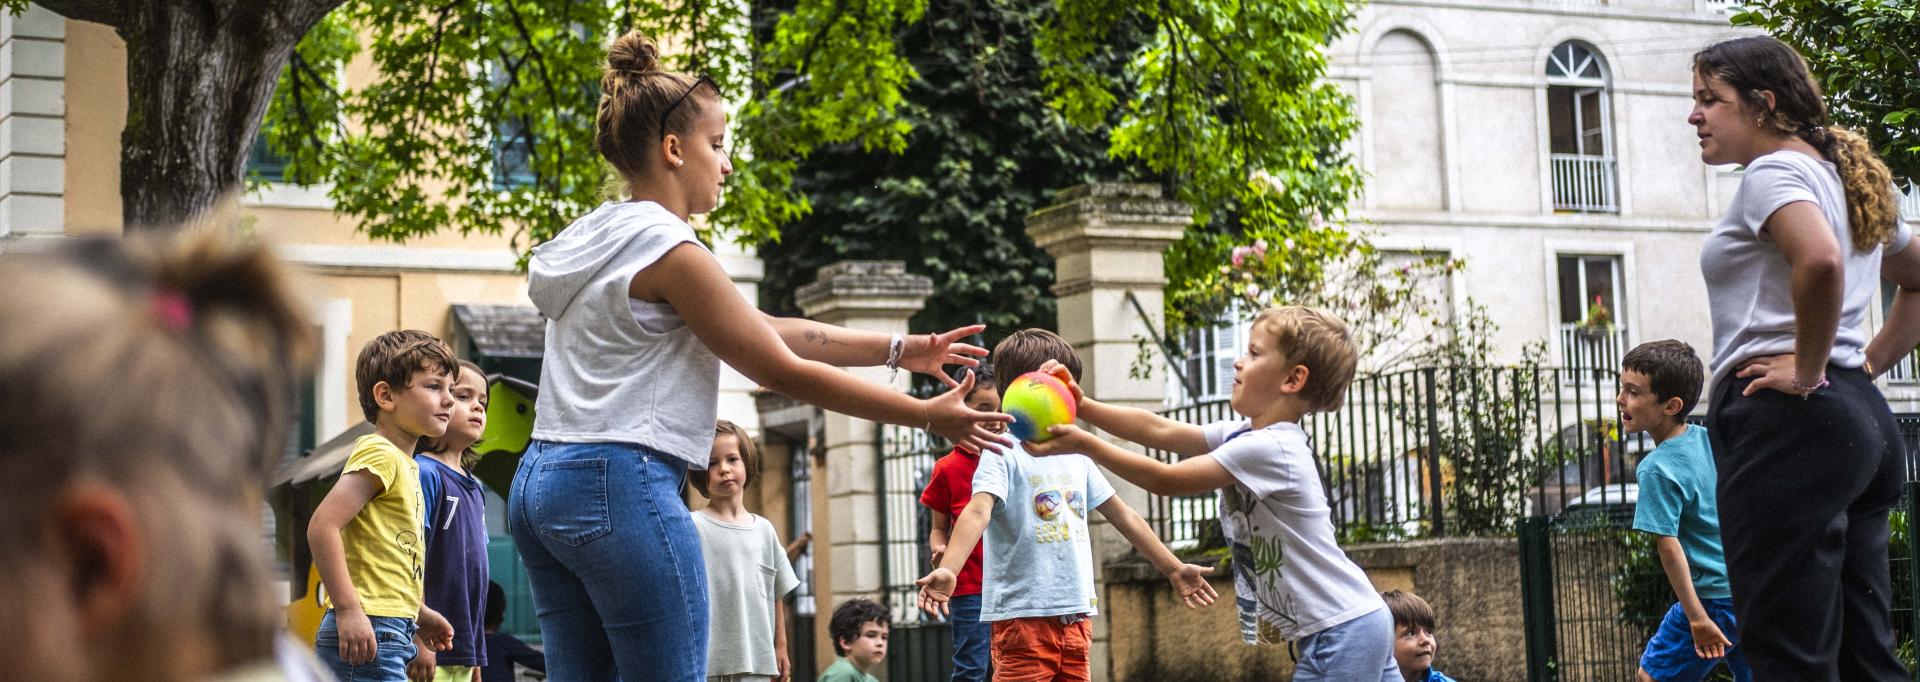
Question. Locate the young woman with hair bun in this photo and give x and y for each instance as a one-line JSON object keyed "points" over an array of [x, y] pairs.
{"points": [[639, 317]]}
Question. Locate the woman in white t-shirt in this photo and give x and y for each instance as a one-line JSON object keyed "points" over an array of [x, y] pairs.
{"points": [[639, 317], [1808, 454]]}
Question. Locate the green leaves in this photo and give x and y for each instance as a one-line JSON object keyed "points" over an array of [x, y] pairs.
{"points": [[481, 121], [1866, 55]]}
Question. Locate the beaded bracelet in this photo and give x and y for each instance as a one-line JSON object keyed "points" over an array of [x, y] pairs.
{"points": [[895, 347], [1807, 391]]}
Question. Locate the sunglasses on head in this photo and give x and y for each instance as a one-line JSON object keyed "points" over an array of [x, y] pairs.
{"points": [[664, 113]]}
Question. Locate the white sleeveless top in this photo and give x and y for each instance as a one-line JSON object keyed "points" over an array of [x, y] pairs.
{"points": [[619, 369]]}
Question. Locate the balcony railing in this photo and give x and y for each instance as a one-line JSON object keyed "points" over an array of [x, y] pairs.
{"points": [[1591, 354], [1584, 183]]}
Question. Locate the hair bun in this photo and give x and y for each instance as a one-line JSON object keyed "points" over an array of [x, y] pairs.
{"points": [[633, 54]]}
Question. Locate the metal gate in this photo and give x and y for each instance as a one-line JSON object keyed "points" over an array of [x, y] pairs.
{"points": [[920, 647], [1593, 591]]}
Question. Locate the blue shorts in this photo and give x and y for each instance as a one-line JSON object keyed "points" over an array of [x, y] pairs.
{"points": [[393, 648], [1670, 654]]}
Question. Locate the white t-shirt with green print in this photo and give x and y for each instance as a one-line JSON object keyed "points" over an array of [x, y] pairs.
{"points": [[1290, 578]]}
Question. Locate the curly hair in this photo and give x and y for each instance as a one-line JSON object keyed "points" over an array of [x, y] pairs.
{"points": [[1758, 64], [850, 616]]}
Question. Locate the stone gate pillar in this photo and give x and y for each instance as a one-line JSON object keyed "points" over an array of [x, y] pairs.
{"points": [[1109, 240], [876, 296]]}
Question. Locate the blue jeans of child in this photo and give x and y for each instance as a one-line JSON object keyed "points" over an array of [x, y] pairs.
{"points": [[393, 647], [972, 639], [1357, 650], [619, 584], [1670, 655]]}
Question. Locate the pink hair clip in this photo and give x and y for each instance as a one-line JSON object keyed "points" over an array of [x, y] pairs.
{"points": [[172, 308]]}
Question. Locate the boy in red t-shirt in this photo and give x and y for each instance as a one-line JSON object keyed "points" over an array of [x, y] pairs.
{"points": [[947, 495]]}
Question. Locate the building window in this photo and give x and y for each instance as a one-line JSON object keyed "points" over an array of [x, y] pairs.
{"points": [[1208, 365], [1580, 131], [263, 163], [512, 155], [1593, 332]]}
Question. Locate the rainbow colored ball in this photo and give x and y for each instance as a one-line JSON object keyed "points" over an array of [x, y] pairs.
{"points": [[1038, 402]]}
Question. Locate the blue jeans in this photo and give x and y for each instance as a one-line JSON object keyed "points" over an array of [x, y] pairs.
{"points": [[1670, 655], [618, 581], [1359, 649], [972, 639], [393, 647]]}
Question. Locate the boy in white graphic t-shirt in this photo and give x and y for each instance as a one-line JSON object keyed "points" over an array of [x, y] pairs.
{"points": [[1291, 580], [1031, 514]]}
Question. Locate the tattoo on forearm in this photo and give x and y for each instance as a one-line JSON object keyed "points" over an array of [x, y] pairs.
{"points": [[820, 337]]}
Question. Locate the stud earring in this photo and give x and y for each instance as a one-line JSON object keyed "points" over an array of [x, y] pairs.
{"points": [[679, 162]]}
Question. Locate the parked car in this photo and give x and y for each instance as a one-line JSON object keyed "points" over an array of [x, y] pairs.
{"points": [[1603, 505]]}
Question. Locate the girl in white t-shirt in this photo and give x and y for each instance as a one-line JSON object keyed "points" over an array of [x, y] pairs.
{"points": [[1292, 581], [1808, 455]]}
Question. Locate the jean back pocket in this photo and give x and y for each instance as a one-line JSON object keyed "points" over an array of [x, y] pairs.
{"points": [[570, 500]]}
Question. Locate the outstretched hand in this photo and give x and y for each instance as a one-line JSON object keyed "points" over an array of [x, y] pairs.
{"points": [[1190, 583], [936, 589], [949, 417], [930, 353], [1067, 439]]}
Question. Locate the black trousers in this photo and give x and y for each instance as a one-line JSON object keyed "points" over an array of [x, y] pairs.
{"points": [[1804, 490]]}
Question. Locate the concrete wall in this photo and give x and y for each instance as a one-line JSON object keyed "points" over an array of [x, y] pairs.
{"points": [[1473, 584]]}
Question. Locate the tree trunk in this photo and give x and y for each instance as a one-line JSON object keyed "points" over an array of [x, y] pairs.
{"points": [[199, 76]]}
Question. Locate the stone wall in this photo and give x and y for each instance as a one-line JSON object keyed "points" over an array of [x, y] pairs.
{"points": [[1473, 584]]}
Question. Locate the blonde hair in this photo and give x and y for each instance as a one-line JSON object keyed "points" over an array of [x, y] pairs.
{"points": [[431, 445], [1318, 340], [749, 456], [1757, 64], [166, 374], [635, 91]]}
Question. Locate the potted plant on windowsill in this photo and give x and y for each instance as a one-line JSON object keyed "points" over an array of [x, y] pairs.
{"points": [[1599, 322]]}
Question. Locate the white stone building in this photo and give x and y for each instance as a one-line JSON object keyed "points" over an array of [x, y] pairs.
{"points": [[1545, 143]]}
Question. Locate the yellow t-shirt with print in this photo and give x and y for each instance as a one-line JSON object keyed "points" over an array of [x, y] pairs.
{"points": [[383, 543]]}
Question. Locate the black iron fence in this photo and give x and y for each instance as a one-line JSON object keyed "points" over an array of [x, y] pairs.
{"points": [[1498, 444], [920, 646], [1593, 591]]}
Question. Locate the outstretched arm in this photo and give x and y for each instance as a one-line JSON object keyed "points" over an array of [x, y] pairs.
{"points": [[1133, 424], [843, 347], [689, 278], [937, 587], [1190, 476], [1189, 581]]}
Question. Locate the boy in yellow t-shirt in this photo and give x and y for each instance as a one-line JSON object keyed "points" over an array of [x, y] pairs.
{"points": [[365, 535]]}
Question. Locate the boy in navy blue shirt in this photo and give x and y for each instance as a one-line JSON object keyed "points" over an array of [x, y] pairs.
{"points": [[456, 533], [1659, 383]]}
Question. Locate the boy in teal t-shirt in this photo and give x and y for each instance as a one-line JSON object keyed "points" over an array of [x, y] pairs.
{"points": [[1659, 383], [859, 631]]}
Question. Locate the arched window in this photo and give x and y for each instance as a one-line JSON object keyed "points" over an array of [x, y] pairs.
{"points": [[1580, 130]]}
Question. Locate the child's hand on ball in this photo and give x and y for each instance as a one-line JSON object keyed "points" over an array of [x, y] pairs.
{"points": [[1067, 439], [1060, 372]]}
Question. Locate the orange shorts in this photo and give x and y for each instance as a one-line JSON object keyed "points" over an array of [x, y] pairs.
{"points": [[1041, 649]]}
